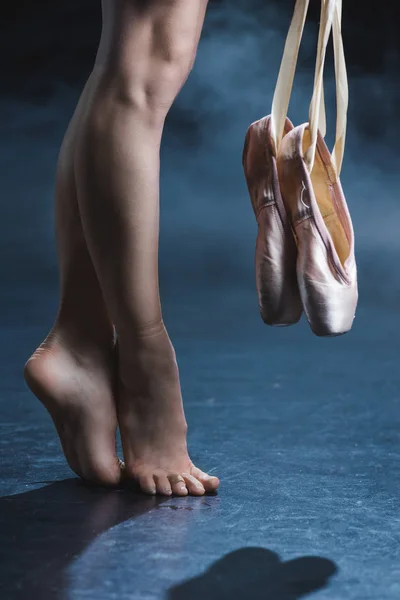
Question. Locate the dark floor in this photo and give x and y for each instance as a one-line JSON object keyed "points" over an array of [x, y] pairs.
{"points": [[303, 432]]}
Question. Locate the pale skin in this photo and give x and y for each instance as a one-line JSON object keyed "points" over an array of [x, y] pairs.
{"points": [[107, 225]]}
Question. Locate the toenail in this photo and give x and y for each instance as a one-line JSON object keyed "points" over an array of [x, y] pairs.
{"points": [[176, 479]]}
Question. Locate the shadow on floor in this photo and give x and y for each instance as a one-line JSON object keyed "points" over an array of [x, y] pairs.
{"points": [[44, 530], [257, 574]]}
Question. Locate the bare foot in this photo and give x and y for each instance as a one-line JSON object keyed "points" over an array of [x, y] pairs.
{"points": [[152, 421], [75, 383]]}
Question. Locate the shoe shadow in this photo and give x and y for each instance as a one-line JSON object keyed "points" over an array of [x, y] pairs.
{"points": [[44, 530], [257, 574]]}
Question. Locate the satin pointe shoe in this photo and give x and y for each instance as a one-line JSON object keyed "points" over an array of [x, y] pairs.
{"points": [[275, 254], [326, 266], [313, 196]]}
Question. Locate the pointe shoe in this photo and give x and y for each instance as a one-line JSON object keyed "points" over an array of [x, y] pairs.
{"points": [[326, 267], [275, 254], [313, 196]]}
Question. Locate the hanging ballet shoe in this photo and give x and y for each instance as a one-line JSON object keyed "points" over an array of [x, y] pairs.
{"points": [[326, 267], [275, 253], [314, 199]]}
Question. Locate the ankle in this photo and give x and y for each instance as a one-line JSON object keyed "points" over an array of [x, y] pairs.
{"points": [[73, 332], [149, 345], [146, 334]]}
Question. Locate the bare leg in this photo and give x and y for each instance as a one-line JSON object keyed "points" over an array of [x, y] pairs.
{"points": [[73, 370], [148, 48]]}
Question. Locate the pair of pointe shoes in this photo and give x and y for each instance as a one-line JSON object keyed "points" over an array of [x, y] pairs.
{"points": [[304, 256]]}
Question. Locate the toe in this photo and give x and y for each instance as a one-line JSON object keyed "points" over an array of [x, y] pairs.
{"points": [[209, 482], [146, 483], [162, 484], [122, 470], [178, 485], [194, 486]]}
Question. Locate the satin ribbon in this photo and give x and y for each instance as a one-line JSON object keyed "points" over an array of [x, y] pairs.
{"points": [[331, 17]]}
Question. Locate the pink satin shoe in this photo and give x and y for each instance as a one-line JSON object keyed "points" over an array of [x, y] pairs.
{"points": [[313, 196], [326, 267], [275, 255]]}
